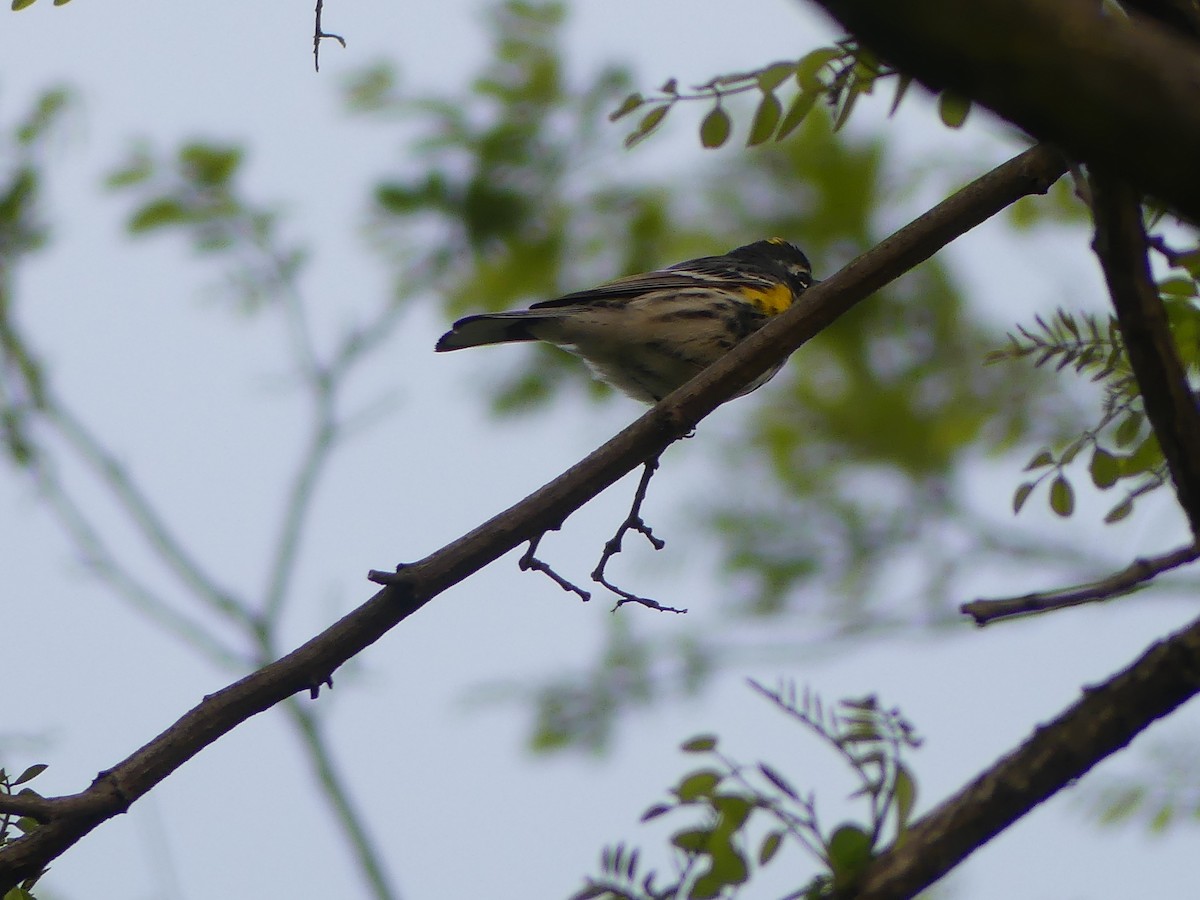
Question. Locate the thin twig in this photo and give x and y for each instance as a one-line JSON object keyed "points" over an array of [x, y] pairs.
{"points": [[1129, 579], [530, 562], [319, 33], [633, 522]]}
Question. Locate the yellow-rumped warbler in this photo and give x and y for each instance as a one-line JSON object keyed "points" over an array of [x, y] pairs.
{"points": [[648, 334]]}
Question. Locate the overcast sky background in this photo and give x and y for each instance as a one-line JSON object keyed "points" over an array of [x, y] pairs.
{"points": [[191, 399]]}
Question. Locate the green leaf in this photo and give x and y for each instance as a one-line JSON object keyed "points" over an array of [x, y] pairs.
{"points": [[774, 75], [1020, 495], [209, 165], [766, 117], [1146, 457], [18, 5], [849, 852], [1041, 460], [29, 774], [848, 101], [953, 108], [1119, 512], [160, 213], [808, 69], [26, 824], [628, 105], [733, 810], [701, 744], [698, 784], [800, 107], [1104, 469], [728, 865], [1129, 429], [770, 846], [649, 122], [1162, 819], [715, 129], [1177, 287], [693, 840], [135, 171], [1062, 497], [19, 893], [906, 799]]}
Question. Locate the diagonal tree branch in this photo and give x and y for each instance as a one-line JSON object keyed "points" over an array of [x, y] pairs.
{"points": [[69, 818], [1104, 720], [1111, 91], [1121, 244]]}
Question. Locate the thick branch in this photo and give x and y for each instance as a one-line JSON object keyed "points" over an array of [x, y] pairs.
{"points": [[1182, 15], [1120, 243], [1111, 91], [313, 664], [1103, 721]]}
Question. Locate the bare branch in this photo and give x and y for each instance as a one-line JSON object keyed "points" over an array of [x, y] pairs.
{"points": [[313, 664], [1114, 92], [1129, 579]]}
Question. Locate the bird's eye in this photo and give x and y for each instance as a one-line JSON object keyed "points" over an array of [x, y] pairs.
{"points": [[803, 276]]}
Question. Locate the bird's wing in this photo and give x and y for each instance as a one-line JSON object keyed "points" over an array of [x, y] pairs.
{"points": [[704, 272]]}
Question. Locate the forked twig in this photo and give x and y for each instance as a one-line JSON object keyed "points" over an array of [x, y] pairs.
{"points": [[319, 33], [633, 522], [530, 561]]}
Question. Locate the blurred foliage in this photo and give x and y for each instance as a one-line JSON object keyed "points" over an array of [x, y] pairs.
{"points": [[195, 191], [22, 232], [743, 806], [1164, 792]]}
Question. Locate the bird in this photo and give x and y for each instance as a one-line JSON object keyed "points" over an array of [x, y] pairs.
{"points": [[648, 334]]}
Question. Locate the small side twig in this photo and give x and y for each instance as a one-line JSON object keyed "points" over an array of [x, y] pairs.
{"points": [[1129, 579], [633, 522], [530, 561], [319, 33]]}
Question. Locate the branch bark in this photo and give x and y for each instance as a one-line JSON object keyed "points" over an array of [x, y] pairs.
{"points": [[69, 818], [1121, 244], [1115, 92], [1103, 721]]}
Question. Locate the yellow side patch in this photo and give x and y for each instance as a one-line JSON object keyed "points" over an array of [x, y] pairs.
{"points": [[771, 301]]}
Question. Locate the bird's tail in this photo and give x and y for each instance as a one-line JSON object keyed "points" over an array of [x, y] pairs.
{"points": [[491, 328]]}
